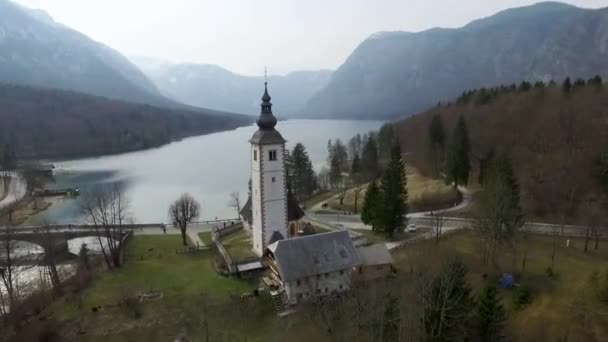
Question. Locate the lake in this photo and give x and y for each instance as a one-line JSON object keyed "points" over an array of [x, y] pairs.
{"points": [[209, 167]]}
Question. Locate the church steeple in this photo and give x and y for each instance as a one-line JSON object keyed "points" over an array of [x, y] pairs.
{"points": [[266, 120]]}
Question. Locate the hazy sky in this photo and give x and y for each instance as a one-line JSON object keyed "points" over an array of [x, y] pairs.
{"points": [[246, 35]]}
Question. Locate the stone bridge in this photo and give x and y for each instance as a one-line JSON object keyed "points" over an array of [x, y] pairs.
{"points": [[58, 240]]}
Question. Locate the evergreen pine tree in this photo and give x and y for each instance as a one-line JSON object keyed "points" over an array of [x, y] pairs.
{"points": [[567, 86], [514, 216], [355, 167], [485, 163], [600, 166], [393, 208], [458, 164], [490, 316], [369, 212], [369, 157], [437, 142], [302, 177], [385, 140]]}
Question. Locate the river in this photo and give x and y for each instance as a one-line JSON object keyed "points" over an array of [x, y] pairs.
{"points": [[209, 167]]}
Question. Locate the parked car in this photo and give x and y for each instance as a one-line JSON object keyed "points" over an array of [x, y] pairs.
{"points": [[411, 228]]}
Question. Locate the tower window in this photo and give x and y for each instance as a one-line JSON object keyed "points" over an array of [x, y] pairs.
{"points": [[255, 155], [272, 155], [274, 179]]}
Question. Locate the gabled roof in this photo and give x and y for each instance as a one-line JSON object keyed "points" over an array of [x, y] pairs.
{"points": [[312, 255], [375, 255]]}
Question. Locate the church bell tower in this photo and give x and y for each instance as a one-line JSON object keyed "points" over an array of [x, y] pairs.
{"points": [[268, 180]]}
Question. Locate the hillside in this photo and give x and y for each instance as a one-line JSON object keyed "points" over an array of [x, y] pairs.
{"points": [[552, 137], [397, 74], [37, 51], [49, 123], [211, 86]]}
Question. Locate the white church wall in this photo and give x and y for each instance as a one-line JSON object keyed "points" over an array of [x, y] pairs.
{"points": [[267, 186], [256, 193]]}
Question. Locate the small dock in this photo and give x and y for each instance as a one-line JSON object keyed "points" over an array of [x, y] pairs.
{"points": [[67, 192]]}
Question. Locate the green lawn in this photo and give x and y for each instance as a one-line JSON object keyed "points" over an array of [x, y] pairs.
{"points": [[187, 282], [238, 246], [206, 237]]}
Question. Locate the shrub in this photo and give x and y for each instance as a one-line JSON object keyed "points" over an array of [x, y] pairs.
{"points": [[522, 298]]}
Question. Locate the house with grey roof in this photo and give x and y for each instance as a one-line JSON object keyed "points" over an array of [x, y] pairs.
{"points": [[313, 266], [376, 262]]}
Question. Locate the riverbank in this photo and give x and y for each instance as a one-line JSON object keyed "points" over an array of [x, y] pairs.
{"points": [[23, 210]]}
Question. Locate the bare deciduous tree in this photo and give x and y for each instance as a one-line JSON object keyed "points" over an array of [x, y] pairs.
{"points": [[50, 258], [235, 203], [357, 190], [183, 211], [107, 209], [8, 268], [438, 220], [342, 190]]}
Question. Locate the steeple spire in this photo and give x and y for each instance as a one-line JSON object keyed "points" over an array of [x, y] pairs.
{"points": [[266, 119]]}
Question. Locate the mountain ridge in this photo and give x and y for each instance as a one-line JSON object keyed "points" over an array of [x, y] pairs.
{"points": [[212, 86], [401, 73]]}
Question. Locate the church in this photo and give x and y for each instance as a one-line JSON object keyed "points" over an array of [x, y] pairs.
{"points": [[302, 265], [271, 212]]}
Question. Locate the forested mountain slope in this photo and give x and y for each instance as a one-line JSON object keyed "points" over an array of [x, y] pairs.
{"points": [[552, 135]]}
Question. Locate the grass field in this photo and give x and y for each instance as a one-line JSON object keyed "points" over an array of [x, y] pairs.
{"points": [[561, 305], [375, 238], [188, 283], [196, 299], [424, 194], [206, 238], [238, 246]]}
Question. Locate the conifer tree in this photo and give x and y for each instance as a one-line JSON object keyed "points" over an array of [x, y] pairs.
{"points": [[385, 140], [393, 207], [369, 157], [369, 212], [601, 170], [302, 174], [355, 167], [567, 86], [490, 316], [437, 144], [458, 164]]}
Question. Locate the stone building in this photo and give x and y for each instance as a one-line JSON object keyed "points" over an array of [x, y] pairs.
{"points": [[376, 262], [311, 266]]}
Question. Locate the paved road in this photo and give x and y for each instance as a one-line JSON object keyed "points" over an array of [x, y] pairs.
{"points": [[16, 190], [422, 219]]}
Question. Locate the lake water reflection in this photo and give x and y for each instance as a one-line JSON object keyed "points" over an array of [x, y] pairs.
{"points": [[209, 167]]}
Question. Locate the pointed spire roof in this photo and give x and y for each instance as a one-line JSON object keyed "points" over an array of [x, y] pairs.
{"points": [[266, 120]]}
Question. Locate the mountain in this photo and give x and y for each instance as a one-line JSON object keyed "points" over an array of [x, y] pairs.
{"points": [[35, 50], [551, 136], [211, 86], [399, 73], [52, 123]]}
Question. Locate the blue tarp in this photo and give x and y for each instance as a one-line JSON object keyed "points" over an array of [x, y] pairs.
{"points": [[507, 281]]}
